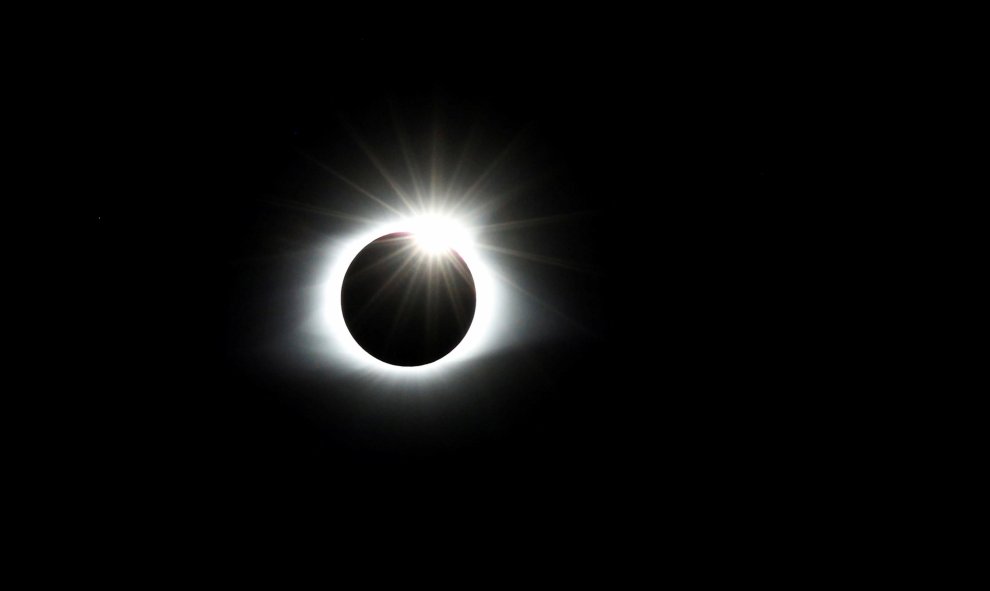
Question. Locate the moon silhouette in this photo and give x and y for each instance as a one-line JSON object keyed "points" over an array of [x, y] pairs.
{"points": [[407, 302]]}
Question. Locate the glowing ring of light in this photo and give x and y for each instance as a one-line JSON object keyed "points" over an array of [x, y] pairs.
{"points": [[480, 335]]}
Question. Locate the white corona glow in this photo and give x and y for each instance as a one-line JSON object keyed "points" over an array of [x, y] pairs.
{"points": [[434, 233]]}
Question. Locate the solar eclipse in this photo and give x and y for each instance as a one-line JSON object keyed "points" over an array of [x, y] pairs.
{"points": [[410, 297]]}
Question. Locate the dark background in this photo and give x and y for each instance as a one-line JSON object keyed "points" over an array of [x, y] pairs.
{"points": [[685, 158]]}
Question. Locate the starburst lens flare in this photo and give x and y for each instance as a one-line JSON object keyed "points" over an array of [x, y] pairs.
{"points": [[401, 313]]}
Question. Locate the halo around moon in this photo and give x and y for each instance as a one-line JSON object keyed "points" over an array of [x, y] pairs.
{"points": [[482, 335]]}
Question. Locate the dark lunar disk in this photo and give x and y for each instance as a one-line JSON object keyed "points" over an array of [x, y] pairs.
{"points": [[404, 305]]}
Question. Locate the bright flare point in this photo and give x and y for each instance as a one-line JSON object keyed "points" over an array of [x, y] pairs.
{"points": [[431, 243], [438, 235]]}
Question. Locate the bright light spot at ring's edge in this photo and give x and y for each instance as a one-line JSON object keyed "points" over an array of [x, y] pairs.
{"points": [[432, 232], [435, 234]]}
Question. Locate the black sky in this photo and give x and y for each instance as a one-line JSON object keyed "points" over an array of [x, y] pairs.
{"points": [[673, 162]]}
